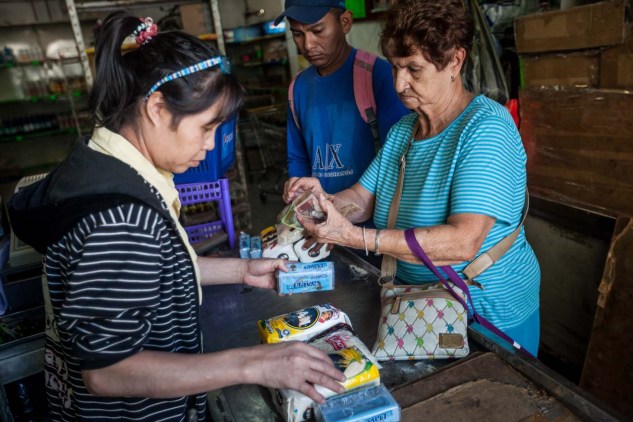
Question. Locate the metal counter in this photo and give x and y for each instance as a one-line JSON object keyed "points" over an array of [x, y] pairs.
{"points": [[229, 316], [230, 313]]}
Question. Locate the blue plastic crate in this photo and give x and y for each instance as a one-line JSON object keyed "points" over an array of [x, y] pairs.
{"points": [[203, 231], [218, 161], [195, 193]]}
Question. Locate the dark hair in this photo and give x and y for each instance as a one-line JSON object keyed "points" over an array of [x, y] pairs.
{"points": [[122, 80], [433, 27], [337, 12]]}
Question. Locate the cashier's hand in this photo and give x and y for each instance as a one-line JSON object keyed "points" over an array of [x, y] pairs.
{"points": [[261, 272], [297, 366], [295, 186], [335, 230]]}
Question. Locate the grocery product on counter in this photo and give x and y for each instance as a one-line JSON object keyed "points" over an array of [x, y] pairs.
{"points": [[304, 278], [341, 336], [374, 403], [302, 324], [360, 372], [328, 329]]}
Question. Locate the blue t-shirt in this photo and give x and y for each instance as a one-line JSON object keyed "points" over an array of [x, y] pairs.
{"points": [[476, 165], [334, 143]]}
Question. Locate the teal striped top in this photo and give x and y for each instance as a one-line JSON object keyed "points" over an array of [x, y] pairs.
{"points": [[476, 165]]}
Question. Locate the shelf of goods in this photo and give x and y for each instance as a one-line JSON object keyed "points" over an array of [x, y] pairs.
{"points": [[260, 60], [43, 89]]}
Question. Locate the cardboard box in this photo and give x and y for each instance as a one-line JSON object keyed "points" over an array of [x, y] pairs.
{"points": [[590, 26], [566, 70], [616, 64], [579, 146], [196, 18], [480, 387]]}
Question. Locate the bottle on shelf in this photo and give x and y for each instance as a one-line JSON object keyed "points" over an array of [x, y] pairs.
{"points": [[7, 55], [35, 82], [56, 81]]}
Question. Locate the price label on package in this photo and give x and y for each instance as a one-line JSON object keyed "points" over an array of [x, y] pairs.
{"points": [[303, 278]]}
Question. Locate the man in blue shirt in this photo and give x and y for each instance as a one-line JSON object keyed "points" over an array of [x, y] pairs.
{"points": [[329, 139]]}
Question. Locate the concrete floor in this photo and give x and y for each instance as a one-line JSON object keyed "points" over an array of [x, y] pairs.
{"points": [[264, 213]]}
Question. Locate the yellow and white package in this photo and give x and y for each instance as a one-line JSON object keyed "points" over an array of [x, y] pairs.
{"points": [[301, 325], [339, 337], [359, 370]]}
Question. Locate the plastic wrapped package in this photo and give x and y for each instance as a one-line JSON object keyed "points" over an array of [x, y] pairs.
{"points": [[300, 325], [359, 370], [373, 403], [341, 336], [304, 278], [245, 245]]}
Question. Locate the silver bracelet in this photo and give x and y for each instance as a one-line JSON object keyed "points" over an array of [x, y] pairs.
{"points": [[377, 243], [365, 242]]}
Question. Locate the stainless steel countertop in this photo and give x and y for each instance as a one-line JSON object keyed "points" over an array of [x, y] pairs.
{"points": [[229, 313], [229, 316]]}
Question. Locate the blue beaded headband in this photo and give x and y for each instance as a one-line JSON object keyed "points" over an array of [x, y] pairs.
{"points": [[221, 61]]}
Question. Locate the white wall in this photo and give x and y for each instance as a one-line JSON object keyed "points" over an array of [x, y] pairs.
{"points": [[233, 11], [365, 35]]}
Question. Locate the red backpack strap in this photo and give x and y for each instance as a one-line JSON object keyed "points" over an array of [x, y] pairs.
{"points": [[364, 91], [291, 102], [363, 84]]}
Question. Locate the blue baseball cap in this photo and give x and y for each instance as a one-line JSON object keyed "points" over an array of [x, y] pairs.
{"points": [[308, 11]]}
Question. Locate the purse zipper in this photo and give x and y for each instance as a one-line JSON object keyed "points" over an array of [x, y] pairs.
{"points": [[395, 307]]}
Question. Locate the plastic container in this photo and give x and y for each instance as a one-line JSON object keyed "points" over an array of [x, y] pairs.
{"points": [[245, 245], [303, 278], [195, 193], [269, 27], [201, 232], [218, 161], [247, 33], [256, 247], [366, 404]]}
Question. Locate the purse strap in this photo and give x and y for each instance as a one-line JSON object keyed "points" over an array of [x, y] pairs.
{"points": [[409, 236], [492, 255], [417, 250], [389, 263]]}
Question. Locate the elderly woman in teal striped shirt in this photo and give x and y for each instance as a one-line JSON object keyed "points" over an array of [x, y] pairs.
{"points": [[465, 180]]}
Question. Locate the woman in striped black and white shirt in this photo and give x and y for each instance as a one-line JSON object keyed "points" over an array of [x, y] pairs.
{"points": [[465, 180], [122, 282]]}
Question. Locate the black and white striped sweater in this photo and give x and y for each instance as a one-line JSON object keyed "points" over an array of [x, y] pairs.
{"points": [[119, 280]]}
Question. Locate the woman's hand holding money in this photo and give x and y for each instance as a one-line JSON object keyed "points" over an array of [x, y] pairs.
{"points": [[335, 229], [295, 186]]}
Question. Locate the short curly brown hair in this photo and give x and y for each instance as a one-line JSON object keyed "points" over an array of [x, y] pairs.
{"points": [[433, 27]]}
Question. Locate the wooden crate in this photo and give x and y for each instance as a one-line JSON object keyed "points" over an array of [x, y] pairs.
{"points": [[580, 147]]}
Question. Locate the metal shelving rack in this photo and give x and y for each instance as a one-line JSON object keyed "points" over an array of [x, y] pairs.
{"points": [[45, 97], [25, 358], [75, 8]]}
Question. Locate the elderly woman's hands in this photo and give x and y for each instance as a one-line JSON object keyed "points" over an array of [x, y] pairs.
{"points": [[295, 186], [336, 229]]}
